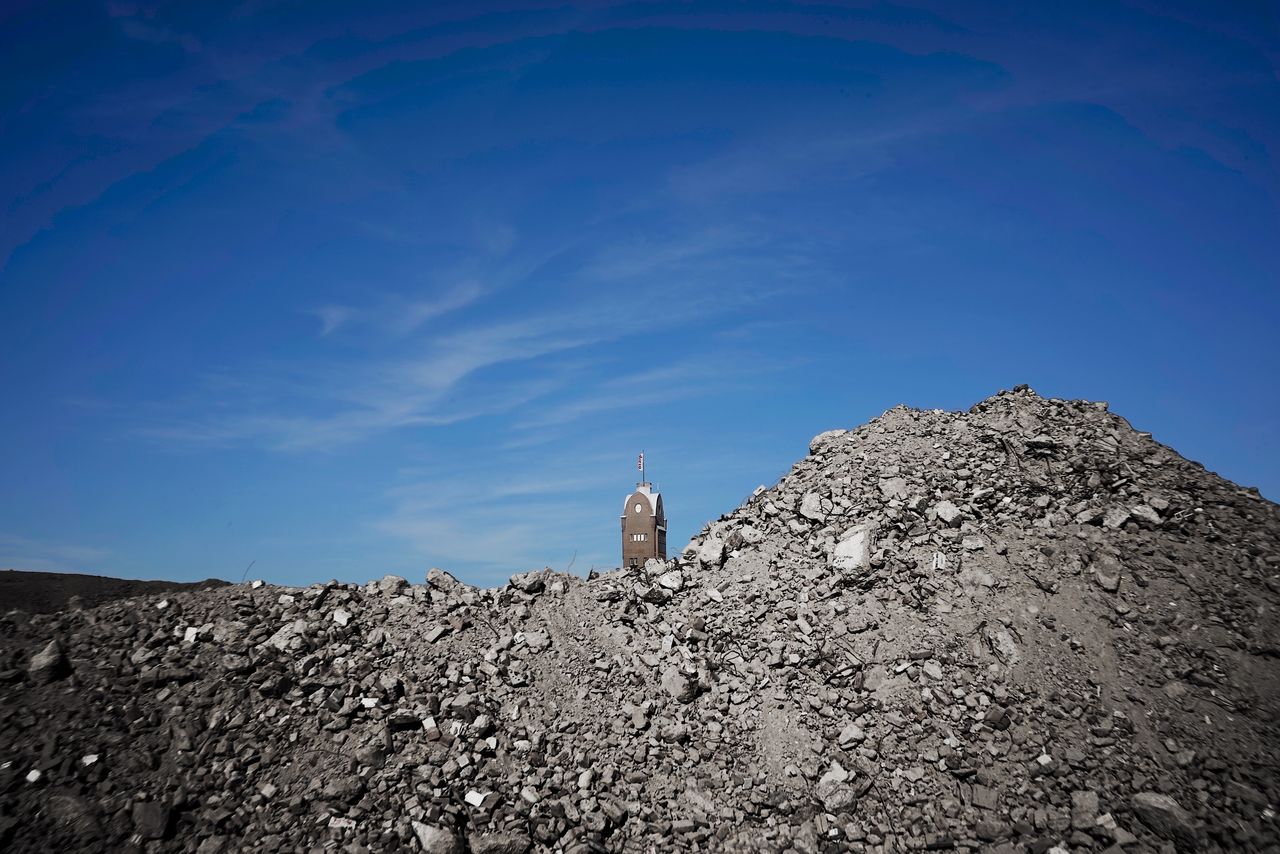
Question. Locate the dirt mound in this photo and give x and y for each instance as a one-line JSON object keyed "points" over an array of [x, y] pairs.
{"points": [[1023, 628], [42, 592]]}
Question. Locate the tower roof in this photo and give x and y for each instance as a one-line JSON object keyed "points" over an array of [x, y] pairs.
{"points": [[645, 489]]}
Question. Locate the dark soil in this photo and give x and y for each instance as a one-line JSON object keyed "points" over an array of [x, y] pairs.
{"points": [[43, 592]]}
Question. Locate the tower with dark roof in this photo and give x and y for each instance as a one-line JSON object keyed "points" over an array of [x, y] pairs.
{"points": [[644, 526]]}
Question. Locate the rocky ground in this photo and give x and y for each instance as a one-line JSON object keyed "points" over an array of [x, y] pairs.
{"points": [[1024, 628]]}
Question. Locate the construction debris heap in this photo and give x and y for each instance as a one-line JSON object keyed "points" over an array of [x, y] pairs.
{"points": [[1024, 628]]}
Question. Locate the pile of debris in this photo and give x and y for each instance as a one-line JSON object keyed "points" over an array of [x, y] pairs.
{"points": [[1023, 628]]}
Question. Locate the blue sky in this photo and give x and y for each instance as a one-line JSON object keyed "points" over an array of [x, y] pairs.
{"points": [[355, 292]]}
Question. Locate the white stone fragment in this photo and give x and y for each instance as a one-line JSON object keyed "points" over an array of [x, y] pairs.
{"points": [[811, 507], [854, 549], [712, 551], [673, 580], [286, 633]]}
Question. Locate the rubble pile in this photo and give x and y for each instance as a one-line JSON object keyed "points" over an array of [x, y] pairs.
{"points": [[1024, 628]]}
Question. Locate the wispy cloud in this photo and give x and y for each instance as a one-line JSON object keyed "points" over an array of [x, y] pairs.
{"points": [[644, 389], [414, 313], [331, 317], [428, 362], [395, 314], [335, 405], [440, 513]]}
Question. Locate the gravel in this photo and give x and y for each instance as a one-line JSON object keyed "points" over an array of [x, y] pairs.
{"points": [[1025, 627]]}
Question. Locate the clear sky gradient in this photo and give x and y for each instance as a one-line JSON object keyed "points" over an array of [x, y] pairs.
{"points": [[350, 289]]}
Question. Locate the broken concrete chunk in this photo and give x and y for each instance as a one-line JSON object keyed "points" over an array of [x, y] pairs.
{"points": [[673, 580], [437, 840], [151, 820], [528, 582], [289, 636], [834, 790], [49, 664], [893, 487], [1145, 513], [502, 842], [711, 552], [1106, 572], [811, 507], [537, 640], [949, 513], [854, 549], [391, 585], [445, 582], [1084, 810], [1115, 517], [1165, 817], [819, 442], [679, 685]]}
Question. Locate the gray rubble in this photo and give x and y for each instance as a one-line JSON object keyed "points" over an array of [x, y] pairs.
{"points": [[1022, 628]]}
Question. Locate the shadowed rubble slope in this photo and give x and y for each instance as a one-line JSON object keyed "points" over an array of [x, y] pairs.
{"points": [[1021, 628], [40, 592]]}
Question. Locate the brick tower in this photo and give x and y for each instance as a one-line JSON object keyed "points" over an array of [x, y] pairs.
{"points": [[644, 525]]}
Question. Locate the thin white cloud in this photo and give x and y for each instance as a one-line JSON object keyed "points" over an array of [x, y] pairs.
{"points": [[452, 376], [413, 314], [793, 157], [331, 317], [470, 516], [352, 404], [651, 389], [396, 315], [609, 399]]}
